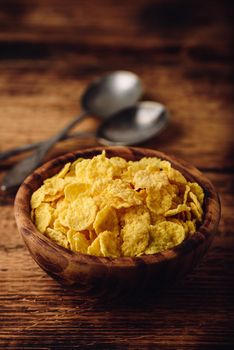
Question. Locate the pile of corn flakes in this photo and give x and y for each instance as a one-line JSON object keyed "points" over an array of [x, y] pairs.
{"points": [[111, 207]]}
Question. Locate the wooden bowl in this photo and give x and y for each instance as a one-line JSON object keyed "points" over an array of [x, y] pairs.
{"points": [[119, 276]]}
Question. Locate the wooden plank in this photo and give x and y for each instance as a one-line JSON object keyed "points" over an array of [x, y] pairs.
{"points": [[110, 24], [185, 314]]}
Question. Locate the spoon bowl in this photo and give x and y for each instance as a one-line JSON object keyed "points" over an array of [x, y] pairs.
{"points": [[134, 125], [112, 93]]}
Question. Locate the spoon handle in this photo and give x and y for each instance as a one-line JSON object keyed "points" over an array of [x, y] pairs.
{"points": [[17, 150], [4, 155], [21, 170]]}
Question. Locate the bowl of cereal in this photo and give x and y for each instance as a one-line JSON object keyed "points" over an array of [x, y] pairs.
{"points": [[117, 219]]}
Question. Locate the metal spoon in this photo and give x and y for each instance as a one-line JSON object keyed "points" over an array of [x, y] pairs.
{"points": [[103, 97], [134, 125]]}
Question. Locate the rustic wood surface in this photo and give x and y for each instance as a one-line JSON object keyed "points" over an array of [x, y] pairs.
{"points": [[49, 51]]}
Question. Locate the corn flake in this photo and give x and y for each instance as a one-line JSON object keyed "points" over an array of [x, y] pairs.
{"points": [[159, 201], [119, 194], [95, 248], [81, 213], [57, 237], [106, 220], [197, 190], [165, 235], [179, 209], [37, 197], [135, 237], [109, 244], [73, 190], [78, 241], [146, 179], [59, 226], [64, 171], [43, 216]]}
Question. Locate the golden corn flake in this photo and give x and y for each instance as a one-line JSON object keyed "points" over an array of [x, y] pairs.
{"points": [[37, 197], [159, 201], [196, 212], [53, 185], [78, 241], [180, 208], [90, 169], [144, 179], [60, 227], [136, 213], [73, 190], [195, 201], [111, 207], [109, 244], [43, 216], [97, 188], [106, 220], [135, 237], [64, 171], [81, 213], [119, 194], [57, 237], [119, 164], [176, 177], [197, 190], [186, 192], [63, 218], [95, 248], [164, 236]]}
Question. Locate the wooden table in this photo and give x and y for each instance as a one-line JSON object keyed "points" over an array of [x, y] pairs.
{"points": [[49, 51]]}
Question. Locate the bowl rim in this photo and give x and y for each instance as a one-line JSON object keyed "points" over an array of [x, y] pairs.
{"points": [[204, 232]]}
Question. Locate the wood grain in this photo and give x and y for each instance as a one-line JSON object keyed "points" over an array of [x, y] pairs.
{"points": [[49, 51]]}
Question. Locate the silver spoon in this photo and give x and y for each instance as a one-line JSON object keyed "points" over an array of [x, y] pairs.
{"points": [[103, 97], [133, 125]]}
